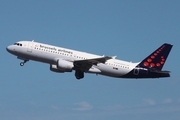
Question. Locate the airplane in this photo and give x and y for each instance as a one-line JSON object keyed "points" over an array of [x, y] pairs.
{"points": [[66, 60]]}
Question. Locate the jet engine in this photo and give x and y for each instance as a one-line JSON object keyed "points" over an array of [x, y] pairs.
{"points": [[64, 65], [55, 69]]}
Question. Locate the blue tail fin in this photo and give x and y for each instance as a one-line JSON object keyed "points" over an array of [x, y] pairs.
{"points": [[158, 58]]}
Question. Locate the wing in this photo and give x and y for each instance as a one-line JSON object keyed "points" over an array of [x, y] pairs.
{"points": [[88, 63]]}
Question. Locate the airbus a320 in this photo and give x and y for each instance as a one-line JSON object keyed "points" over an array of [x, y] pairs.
{"points": [[63, 60]]}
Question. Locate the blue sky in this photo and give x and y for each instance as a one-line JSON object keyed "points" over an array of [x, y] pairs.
{"points": [[129, 29]]}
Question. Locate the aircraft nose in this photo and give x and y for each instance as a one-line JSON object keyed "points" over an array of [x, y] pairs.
{"points": [[9, 48]]}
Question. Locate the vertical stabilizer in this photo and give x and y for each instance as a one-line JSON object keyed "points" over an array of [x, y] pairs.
{"points": [[157, 59]]}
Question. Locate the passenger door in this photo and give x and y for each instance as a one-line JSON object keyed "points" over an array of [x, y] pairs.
{"points": [[30, 47]]}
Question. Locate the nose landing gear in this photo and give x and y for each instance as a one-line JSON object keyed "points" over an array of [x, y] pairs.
{"points": [[22, 63]]}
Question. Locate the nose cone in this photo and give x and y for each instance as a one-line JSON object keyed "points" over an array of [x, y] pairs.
{"points": [[9, 48]]}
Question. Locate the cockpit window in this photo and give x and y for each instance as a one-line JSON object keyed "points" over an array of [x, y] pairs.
{"points": [[18, 44]]}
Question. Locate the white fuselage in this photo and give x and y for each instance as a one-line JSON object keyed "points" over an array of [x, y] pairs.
{"points": [[30, 50]]}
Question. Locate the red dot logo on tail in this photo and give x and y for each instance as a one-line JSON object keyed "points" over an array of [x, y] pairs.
{"points": [[146, 64]]}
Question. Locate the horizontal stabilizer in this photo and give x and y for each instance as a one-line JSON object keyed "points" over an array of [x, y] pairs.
{"points": [[161, 72]]}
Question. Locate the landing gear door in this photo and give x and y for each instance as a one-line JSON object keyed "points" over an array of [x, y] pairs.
{"points": [[30, 47], [136, 71]]}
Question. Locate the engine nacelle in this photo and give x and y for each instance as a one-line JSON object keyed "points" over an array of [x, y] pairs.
{"points": [[55, 69], [64, 65]]}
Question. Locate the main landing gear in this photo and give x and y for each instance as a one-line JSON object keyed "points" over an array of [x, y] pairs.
{"points": [[79, 74], [22, 63]]}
